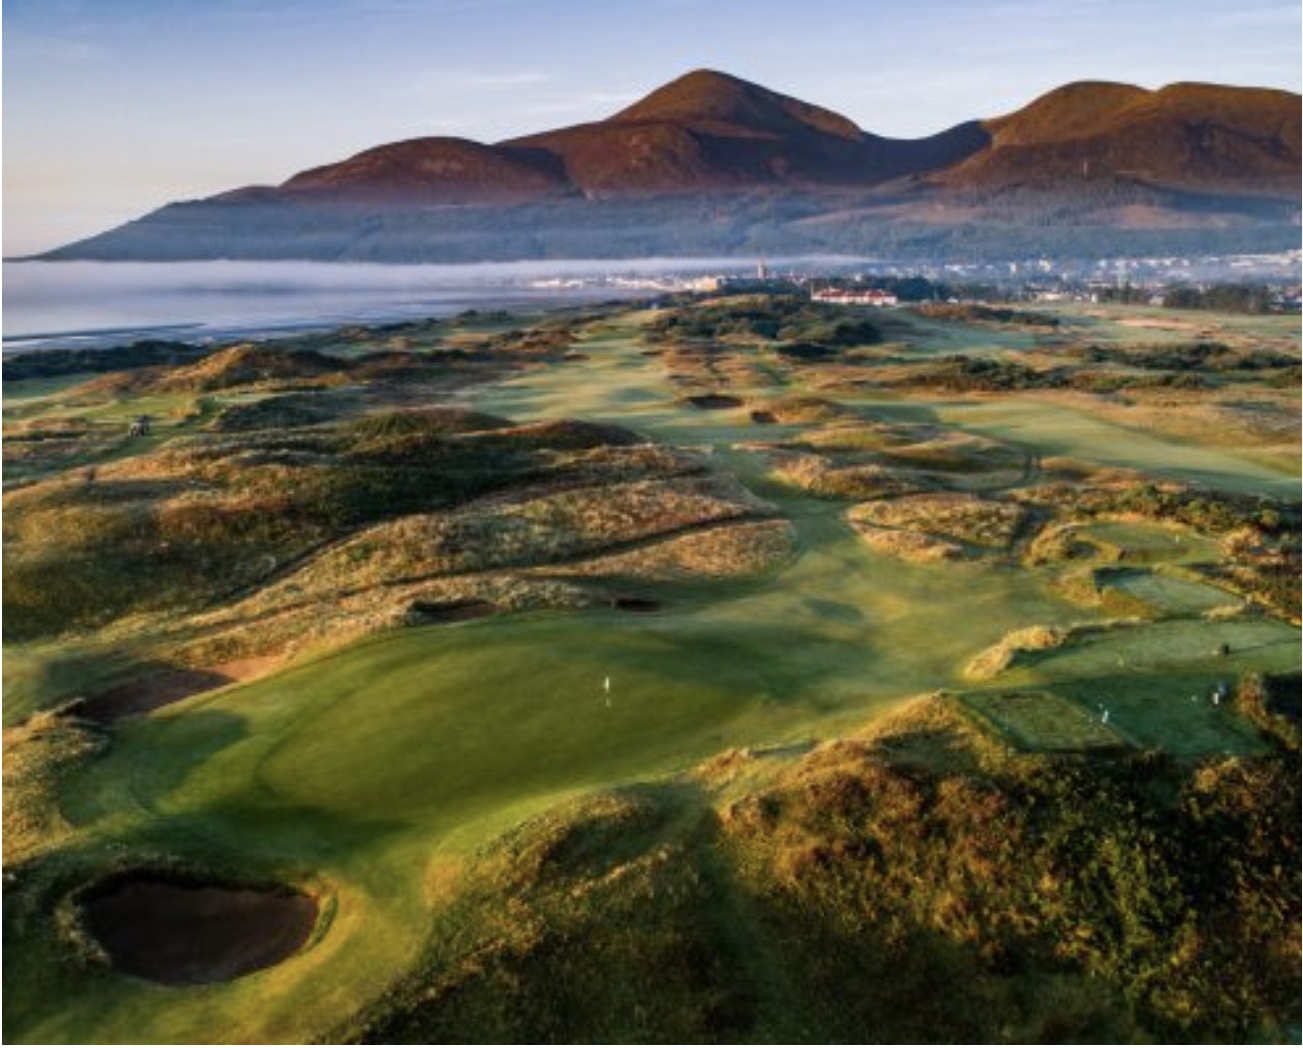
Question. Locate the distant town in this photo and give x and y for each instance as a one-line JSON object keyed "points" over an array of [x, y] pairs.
{"points": [[1263, 283]]}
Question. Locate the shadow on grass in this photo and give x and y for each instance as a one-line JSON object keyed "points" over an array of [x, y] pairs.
{"points": [[148, 760], [626, 919]]}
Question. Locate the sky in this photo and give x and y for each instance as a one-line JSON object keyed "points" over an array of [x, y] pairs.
{"points": [[112, 108]]}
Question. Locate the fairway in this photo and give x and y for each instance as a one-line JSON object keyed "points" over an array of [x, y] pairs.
{"points": [[368, 773], [1055, 429], [456, 732]]}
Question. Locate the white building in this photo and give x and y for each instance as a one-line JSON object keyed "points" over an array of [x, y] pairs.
{"points": [[855, 297]]}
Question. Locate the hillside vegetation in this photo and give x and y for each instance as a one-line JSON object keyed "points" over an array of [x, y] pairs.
{"points": [[912, 885]]}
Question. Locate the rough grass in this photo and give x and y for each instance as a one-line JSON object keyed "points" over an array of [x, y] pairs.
{"points": [[786, 891], [843, 896], [202, 520], [909, 544], [718, 552], [868, 460], [1013, 647], [824, 476], [37, 755], [968, 519], [659, 528], [804, 409], [1076, 428]]}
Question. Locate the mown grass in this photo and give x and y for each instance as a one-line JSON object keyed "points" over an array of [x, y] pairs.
{"points": [[1041, 721], [1061, 430], [358, 765], [914, 885], [1157, 680], [886, 889]]}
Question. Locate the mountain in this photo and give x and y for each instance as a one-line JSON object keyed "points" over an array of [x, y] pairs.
{"points": [[710, 163], [435, 171], [705, 132], [709, 132], [1193, 137]]}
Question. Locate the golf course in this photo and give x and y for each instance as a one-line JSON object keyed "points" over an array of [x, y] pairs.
{"points": [[670, 671]]}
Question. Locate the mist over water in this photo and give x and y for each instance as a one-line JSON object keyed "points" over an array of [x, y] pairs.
{"points": [[96, 303]]}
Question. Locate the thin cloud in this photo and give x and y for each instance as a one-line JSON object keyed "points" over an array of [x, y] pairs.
{"points": [[501, 80]]}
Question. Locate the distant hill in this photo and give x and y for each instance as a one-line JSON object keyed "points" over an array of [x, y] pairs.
{"points": [[1193, 137], [712, 163], [435, 171], [708, 132]]}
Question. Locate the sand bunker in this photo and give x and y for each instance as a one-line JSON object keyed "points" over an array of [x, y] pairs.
{"points": [[713, 401], [183, 934], [1151, 322], [148, 693], [633, 603], [425, 612]]}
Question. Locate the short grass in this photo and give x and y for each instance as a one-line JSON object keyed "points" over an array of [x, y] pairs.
{"points": [[1038, 720], [24, 397], [358, 765], [1157, 680], [1053, 428], [1128, 325], [843, 893], [1165, 593], [382, 767], [1174, 713], [1135, 542]]}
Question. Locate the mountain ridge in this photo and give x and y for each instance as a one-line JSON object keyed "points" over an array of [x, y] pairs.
{"points": [[1092, 153]]}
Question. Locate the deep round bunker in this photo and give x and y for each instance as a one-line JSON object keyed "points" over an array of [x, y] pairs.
{"points": [[181, 932]]}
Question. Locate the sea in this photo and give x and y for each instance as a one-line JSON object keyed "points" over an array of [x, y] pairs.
{"points": [[98, 304]]}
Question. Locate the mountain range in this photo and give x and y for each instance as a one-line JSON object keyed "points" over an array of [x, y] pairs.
{"points": [[710, 163]]}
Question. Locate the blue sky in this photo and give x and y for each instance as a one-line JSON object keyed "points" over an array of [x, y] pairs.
{"points": [[113, 107]]}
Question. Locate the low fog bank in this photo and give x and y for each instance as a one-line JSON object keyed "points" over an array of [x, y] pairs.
{"points": [[87, 303], [29, 280], [101, 303]]}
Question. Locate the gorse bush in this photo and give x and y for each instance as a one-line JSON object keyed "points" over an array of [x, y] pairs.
{"points": [[203, 519], [789, 319]]}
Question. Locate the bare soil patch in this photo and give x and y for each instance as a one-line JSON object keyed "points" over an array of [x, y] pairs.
{"points": [[176, 934]]}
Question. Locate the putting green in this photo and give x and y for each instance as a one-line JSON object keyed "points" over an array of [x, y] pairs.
{"points": [[1137, 542], [1158, 680], [1164, 593], [1036, 720]]}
